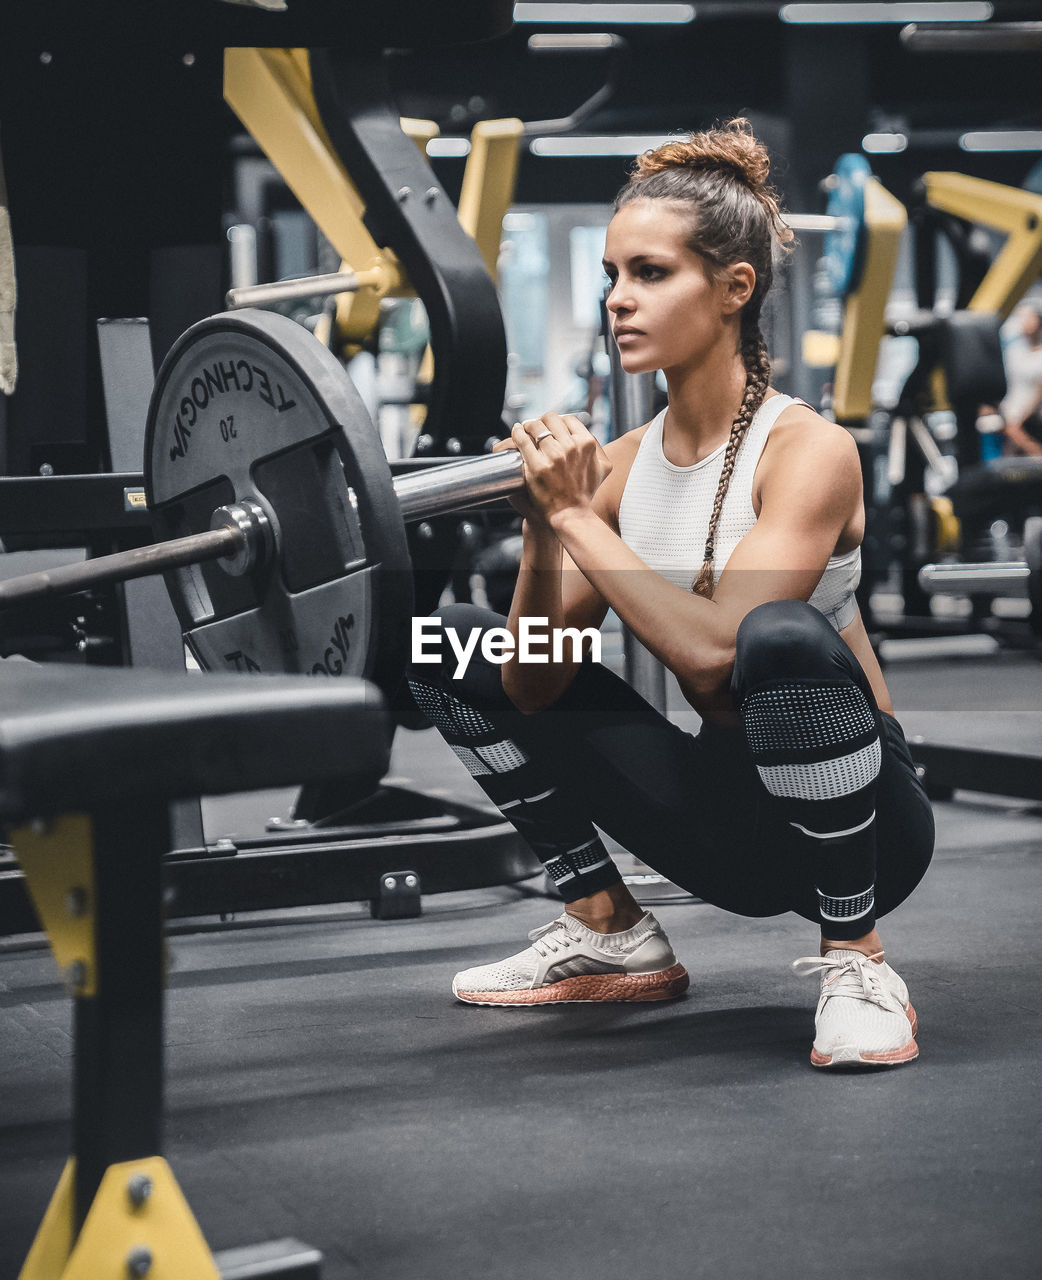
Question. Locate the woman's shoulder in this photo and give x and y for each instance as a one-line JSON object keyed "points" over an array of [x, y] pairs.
{"points": [[798, 423], [800, 439]]}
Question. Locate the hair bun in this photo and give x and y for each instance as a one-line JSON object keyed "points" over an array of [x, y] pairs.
{"points": [[730, 148]]}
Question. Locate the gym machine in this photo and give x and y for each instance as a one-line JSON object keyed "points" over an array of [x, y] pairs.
{"points": [[88, 770], [959, 367], [250, 412], [343, 827], [862, 258]]}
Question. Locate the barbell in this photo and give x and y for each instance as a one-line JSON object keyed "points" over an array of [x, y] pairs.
{"points": [[1015, 578], [283, 531]]}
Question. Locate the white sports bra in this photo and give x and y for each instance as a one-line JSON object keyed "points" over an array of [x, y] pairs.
{"points": [[665, 509]]}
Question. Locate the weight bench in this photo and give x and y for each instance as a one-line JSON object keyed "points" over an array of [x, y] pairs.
{"points": [[89, 759]]}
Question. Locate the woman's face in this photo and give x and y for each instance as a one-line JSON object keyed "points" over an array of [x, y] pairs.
{"points": [[666, 311]]}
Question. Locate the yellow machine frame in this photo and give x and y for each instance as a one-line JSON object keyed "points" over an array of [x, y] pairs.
{"points": [[864, 315]]}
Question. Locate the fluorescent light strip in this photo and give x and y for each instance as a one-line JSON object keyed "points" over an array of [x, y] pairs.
{"points": [[614, 145], [999, 140], [573, 40], [814, 222], [884, 143], [605, 14], [926, 11], [443, 148]]}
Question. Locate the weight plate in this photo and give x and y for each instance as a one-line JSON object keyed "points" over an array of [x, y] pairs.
{"points": [[844, 249], [249, 406]]}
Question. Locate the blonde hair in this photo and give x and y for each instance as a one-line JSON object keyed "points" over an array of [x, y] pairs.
{"points": [[720, 176]]}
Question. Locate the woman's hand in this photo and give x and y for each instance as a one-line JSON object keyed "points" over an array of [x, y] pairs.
{"points": [[519, 499], [564, 465]]}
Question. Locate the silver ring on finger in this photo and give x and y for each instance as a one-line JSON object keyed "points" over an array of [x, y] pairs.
{"points": [[542, 435]]}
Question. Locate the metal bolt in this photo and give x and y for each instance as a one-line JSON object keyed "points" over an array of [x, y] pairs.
{"points": [[390, 882], [424, 531], [45, 467], [76, 902], [403, 194], [139, 1262], [139, 1188], [411, 882], [452, 445], [189, 59], [46, 59], [431, 194]]}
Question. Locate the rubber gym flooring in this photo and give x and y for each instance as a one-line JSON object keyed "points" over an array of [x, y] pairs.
{"points": [[323, 1084]]}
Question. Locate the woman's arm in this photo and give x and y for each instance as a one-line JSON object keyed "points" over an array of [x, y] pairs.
{"points": [[549, 585], [810, 492]]}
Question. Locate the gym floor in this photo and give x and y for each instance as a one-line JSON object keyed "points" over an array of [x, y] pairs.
{"points": [[323, 1084]]}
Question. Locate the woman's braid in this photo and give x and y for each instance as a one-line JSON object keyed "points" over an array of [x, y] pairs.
{"points": [[757, 375]]}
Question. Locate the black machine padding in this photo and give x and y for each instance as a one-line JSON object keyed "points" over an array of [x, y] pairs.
{"points": [[79, 738]]}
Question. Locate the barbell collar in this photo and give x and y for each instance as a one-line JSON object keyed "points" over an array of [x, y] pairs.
{"points": [[256, 538]]}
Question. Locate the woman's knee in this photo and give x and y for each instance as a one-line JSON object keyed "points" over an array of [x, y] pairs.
{"points": [[447, 650], [786, 639]]}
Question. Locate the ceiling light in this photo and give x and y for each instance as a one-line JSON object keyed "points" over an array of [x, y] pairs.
{"points": [[441, 148], [884, 143], [605, 14], [925, 11], [990, 37], [573, 40], [611, 145], [1003, 140]]}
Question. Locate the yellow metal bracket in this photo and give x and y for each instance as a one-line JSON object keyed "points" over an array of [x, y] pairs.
{"points": [[138, 1224], [270, 91], [864, 316], [1011, 210], [489, 180], [57, 860]]}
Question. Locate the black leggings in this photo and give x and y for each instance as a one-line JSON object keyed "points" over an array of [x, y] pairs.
{"points": [[718, 812]]}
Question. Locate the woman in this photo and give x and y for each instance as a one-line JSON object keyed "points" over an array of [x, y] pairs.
{"points": [[706, 531]]}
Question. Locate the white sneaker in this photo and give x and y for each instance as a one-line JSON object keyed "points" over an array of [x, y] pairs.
{"points": [[863, 1015], [569, 962]]}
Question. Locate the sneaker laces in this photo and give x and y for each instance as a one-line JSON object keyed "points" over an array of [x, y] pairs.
{"points": [[853, 975], [543, 943]]}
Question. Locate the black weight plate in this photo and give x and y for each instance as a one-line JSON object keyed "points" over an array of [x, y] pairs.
{"points": [[248, 405]]}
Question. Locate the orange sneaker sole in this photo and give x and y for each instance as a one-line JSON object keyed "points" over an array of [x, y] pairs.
{"points": [[595, 988]]}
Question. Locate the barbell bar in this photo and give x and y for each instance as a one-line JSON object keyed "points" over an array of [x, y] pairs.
{"points": [[241, 539], [985, 578], [283, 541]]}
